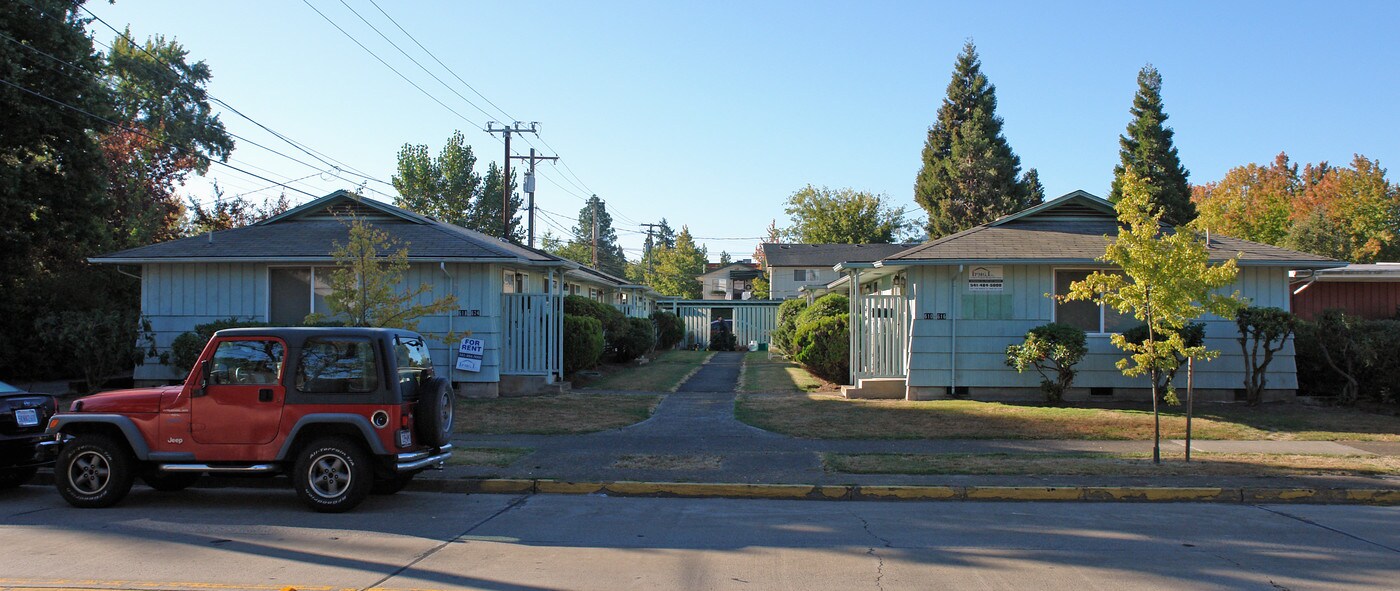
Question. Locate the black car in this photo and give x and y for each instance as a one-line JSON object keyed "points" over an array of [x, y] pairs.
{"points": [[22, 421]]}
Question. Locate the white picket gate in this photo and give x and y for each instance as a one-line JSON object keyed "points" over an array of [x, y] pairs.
{"points": [[884, 331], [532, 329]]}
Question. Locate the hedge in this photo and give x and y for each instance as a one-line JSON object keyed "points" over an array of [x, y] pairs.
{"points": [[670, 329], [824, 349], [637, 337], [185, 350], [583, 342]]}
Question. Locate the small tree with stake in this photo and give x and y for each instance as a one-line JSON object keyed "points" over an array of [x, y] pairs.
{"points": [[1167, 281], [365, 287]]}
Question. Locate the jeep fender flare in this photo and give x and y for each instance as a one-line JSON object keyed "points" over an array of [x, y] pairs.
{"points": [[366, 431], [130, 433]]}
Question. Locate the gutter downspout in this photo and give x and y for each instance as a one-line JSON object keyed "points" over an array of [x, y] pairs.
{"points": [[452, 281], [953, 334]]}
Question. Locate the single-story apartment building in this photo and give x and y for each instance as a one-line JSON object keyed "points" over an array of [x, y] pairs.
{"points": [[935, 320], [1369, 291], [733, 281], [792, 266], [277, 271]]}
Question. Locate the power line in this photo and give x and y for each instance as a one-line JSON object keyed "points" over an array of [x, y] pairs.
{"points": [[386, 64]]}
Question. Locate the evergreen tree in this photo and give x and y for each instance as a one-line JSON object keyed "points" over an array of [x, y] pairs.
{"points": [[724, 259], [610, 257], [486, 208], [677, 269], [1147, 152], [1037, 190], [665, 235], [970, 175]]}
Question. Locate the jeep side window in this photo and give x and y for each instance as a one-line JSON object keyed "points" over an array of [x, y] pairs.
{"points": [[337, 365], [246, 362], [414, 363]]}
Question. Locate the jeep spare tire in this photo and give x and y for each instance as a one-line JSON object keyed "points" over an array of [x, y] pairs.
{"points": [[433, 417]]}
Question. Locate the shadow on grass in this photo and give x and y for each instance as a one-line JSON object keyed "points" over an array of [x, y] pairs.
{"points": [[821, 416]]}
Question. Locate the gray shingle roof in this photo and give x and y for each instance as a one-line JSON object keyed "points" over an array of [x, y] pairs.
{"points": [[1047, 238], [826, 255], [307, 233]]}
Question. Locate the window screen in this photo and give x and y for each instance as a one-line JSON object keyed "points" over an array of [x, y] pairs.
{"points": [[337, 365], [1080, 313], [799, 274]]}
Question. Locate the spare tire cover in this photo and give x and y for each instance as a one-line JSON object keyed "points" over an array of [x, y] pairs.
{"points": [[433, 417]]}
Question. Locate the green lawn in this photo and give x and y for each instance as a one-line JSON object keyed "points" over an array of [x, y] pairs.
{"points": [[1097, 464], [825, 416], [664, 373], [762, 374], [553, 415]]}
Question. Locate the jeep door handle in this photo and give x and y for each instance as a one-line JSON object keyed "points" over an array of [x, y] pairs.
{"points": [[265, 395]]}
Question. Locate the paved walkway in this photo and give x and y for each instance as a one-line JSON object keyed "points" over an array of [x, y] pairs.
{"points": [[696, 424]]}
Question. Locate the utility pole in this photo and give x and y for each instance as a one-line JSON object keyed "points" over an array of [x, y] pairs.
{"points": [[530, 186], [516, 127], [594, 202], [651, 245]]}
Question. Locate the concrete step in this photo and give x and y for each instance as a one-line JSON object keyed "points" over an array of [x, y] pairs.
{"points": [[872, 388]]}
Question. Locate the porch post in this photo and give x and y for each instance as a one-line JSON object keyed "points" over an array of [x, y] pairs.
{"points": [[855, 326]]}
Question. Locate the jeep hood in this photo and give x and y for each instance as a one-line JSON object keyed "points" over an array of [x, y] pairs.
{"points": [[125, 401]]}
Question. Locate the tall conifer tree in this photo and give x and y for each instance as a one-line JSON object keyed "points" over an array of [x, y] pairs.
{"points": [[1147, 151], [970, 175]]}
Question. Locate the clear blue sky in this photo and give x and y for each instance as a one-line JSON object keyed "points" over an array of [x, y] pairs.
{"points": [[711, 114]]}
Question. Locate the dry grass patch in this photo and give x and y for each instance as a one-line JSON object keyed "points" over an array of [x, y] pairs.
{"points": [[498, 457], [1202, 464], [762, 374], [826, 416], [668, 462], [664, 373], [553, 415]]}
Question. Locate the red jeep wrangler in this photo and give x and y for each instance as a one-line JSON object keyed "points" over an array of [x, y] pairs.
{"points": [[345, 411]]}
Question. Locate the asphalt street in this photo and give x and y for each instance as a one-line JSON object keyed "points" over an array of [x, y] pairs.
{"points": [[235, 538]]}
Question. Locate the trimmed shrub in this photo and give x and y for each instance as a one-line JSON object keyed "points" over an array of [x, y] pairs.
{"points": [[823, 347], [637, 338], [1053, 347], [1263, 332], [829, 305], [1349, 357], [786, 329], [613, 321], [583, 342], [103, 343], [670, 329], [184, 352]]}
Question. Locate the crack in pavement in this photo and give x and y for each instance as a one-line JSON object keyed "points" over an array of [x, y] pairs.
{"points": [[434, 550], [870, 551], [1328, 528]]}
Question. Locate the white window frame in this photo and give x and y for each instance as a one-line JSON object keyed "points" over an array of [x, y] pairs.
{"points": [[1054, 304], [310, 293]]}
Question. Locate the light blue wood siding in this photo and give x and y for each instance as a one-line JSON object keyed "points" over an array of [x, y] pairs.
{"points": [[177, 297], [986, 325]]}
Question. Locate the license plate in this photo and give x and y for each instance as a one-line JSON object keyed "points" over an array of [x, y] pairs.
{"points": [[27, 417]]}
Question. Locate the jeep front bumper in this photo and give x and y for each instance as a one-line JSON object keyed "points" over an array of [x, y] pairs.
{"points": [[419, 460]]}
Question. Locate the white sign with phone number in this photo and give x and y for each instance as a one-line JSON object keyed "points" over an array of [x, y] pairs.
{"points": [[469, 355]]}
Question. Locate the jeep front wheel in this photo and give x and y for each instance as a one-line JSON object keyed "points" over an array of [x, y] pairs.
{"points": [[333, 475], [94, 471]]}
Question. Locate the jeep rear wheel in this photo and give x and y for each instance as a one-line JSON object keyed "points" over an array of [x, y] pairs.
{"points": [[169, 481], [434, 414], [333, 475], [94, 471]]}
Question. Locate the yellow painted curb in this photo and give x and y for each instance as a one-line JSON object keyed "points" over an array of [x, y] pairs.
{"points": [[1161, 494], [1366, 496], [500, 486], [1023, 493], [908, 493], [560, 487], [1373, 496]]}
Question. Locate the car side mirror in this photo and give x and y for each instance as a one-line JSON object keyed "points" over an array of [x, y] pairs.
{"points": [[203, 378]]}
